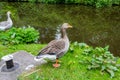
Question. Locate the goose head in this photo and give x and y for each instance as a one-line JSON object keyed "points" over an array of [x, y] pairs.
{"points": [[8, 13], [66, 26]]}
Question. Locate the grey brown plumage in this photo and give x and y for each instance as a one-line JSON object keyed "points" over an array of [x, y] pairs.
{"points": [[57, 47]]}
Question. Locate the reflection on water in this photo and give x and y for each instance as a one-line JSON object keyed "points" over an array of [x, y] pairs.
{"points": [[97, 27], [58, 33]]}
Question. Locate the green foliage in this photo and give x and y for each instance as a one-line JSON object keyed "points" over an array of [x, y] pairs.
{"points": [[96, 3], [101, 3], [47, 1], [19, 36], [104, 60], [99, 58], [12, 9]]}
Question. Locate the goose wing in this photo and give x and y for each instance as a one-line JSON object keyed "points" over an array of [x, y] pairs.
{"points": [[4, 23], [52, 42], [55, 46]]}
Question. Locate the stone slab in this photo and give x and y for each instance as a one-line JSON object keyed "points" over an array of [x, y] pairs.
{"points": [[24, 59]]}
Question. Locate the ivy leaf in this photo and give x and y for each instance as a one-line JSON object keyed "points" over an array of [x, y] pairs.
{"points": [[111, 73], [113, 68], [103, 68], [118, 65], [71, 49], [83, 45], [13, 35], [75, 43], [106, 48], [89, 67]]}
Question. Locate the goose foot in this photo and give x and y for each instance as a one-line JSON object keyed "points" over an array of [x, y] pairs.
{"points": [[56, 65]]}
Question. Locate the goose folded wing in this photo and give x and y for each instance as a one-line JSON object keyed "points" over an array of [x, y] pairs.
{"points": [[55, 47], [4, 23]]}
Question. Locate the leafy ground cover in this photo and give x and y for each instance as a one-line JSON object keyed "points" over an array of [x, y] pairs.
{"points": [[19, 35]]}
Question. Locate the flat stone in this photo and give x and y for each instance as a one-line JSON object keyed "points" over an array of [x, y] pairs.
{"points": [[25, 61]]}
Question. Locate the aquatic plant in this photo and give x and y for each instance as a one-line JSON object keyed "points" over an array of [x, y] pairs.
{"points": [[19, 35]]}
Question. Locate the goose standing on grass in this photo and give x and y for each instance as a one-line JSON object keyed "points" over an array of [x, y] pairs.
{"points": [[56, 48], [6, 24]]}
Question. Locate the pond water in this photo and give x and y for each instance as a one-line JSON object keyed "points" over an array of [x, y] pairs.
{"points": [[96, 27]]}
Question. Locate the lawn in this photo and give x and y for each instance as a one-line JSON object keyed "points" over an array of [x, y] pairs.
{"points": [[73, 65], [31, 48]]}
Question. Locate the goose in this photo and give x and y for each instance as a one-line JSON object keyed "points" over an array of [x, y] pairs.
{"points": [[55, 48], [6, 24]]}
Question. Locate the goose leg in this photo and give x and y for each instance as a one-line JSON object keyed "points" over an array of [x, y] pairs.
{"points": [[56, 63]]}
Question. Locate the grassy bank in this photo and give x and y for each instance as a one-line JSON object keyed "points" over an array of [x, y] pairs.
{"points": [[74, 64], [81, 61]]}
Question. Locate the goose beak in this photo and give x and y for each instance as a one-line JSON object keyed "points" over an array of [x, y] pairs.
{"points": [[70, 26]]}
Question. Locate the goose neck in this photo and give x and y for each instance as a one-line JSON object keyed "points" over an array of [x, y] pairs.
{"points": [[63, 32], [8, 17]]}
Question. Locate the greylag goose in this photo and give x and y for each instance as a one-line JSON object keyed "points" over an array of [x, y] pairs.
{"points": [[6, 24], [56, 48]]}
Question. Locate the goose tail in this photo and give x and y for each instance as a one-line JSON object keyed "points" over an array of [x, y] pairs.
{"points": [[46, 57], [38, 57]]}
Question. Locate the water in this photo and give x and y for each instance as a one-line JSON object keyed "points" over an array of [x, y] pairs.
{"points": [[96, 27]]}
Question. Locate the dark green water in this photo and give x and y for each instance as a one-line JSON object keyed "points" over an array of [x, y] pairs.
{"points": [[96, 27]]}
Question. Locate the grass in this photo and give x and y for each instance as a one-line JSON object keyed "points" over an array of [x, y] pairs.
{"points": [[71, 67], [31, 48]]}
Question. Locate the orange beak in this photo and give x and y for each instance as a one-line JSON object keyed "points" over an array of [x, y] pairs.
{"points": [[70, 26]]}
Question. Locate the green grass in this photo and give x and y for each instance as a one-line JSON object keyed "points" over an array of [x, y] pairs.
{"points": [[31, 48], [70, 69]]}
